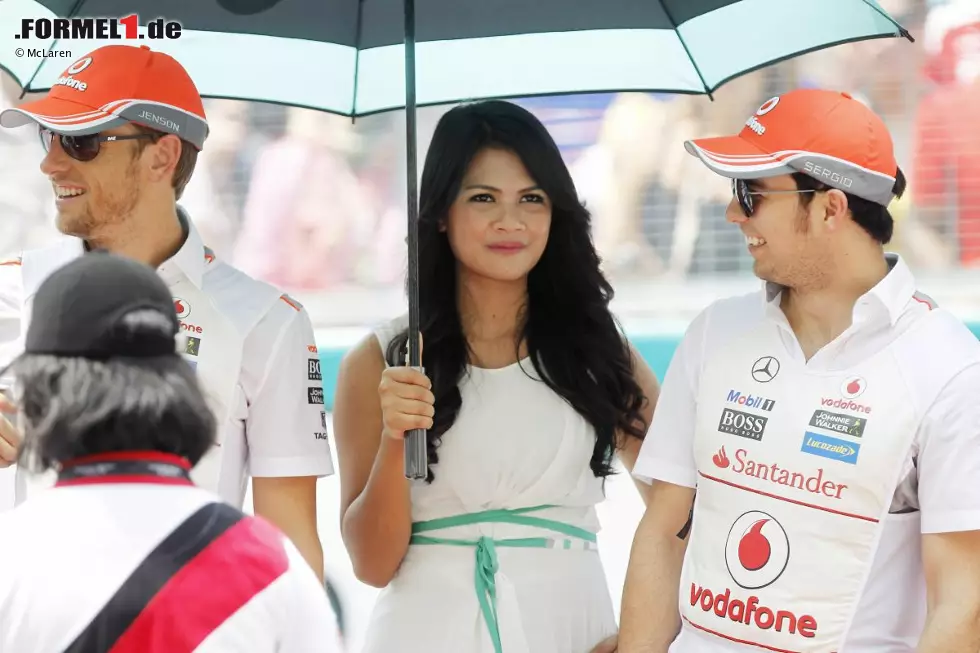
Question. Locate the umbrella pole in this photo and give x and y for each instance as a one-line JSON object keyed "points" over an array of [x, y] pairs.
{"points": [[416, 454]]}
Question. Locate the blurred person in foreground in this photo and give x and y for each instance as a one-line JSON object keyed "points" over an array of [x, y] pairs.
{"points": [[116, 178], [125, 553], [829, 423], [530, 389]]}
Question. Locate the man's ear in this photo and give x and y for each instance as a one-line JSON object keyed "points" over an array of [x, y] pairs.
{"points": [[162, 157], [836, 208]]}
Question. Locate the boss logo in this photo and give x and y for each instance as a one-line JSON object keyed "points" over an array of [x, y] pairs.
{"points": [[313, 369], [744, 425]]}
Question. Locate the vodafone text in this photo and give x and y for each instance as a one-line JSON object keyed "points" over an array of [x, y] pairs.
{"points": [[71, 82], [845, 404], [192, 328], [814, 483], [756, 126], [750, 613]]}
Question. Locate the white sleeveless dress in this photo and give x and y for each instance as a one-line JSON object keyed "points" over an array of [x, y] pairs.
{"points": [[514, 444]]}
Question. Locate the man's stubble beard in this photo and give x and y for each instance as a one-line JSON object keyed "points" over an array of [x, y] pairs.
{"points": [[806, 268], [114, 209], [804, 271]]}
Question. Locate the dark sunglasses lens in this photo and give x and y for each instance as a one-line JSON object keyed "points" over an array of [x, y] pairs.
{"points": [[82, 148], [743, 197]]}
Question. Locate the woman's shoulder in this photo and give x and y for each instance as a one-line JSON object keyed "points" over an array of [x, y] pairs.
{"points": [[368, 355], [387, 331]]}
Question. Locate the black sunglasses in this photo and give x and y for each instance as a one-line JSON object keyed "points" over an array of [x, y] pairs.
{"points": [[83, 148], [740, 189]]}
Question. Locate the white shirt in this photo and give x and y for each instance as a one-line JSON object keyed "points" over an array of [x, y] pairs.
{"points": [[255, 354], [68, 550], [938, 492]]}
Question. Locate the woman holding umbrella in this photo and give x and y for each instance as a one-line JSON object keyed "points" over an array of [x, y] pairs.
{"points": [[529, 388]]}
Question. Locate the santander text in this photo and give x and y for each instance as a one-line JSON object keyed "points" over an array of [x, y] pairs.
{"points": [[813, 483]]}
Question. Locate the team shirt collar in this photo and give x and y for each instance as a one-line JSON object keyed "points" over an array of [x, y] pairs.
{"points": [[887, 299]]}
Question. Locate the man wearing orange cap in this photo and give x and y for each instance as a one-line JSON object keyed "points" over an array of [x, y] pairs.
{"points": [[829, 423], [122, 128]]}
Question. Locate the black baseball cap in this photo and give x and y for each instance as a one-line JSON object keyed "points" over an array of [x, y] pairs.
{"points": [[79, 310]]}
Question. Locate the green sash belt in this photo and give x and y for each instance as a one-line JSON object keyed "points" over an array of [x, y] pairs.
{"points": [[486, 549]]}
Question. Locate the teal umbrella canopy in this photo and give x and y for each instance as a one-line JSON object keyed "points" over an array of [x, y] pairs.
{"points": [[348, 56]]}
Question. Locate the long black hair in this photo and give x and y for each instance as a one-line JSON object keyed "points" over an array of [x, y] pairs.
{"points": [[574, 342]]}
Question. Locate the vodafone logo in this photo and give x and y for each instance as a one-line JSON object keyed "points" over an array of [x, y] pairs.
{"points": [[757, 550], [79, 66], [853, 387], [767, 106], [182, 307]]}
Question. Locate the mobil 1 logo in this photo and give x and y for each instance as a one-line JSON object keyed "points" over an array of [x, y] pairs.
{"points": [[744, 425], [750, 400]]}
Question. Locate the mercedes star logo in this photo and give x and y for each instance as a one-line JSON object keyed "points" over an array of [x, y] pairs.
{"points": [[765, 369]]}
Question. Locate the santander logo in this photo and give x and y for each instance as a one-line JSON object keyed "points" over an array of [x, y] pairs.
{"points": [[812, 483], [721, 458]]}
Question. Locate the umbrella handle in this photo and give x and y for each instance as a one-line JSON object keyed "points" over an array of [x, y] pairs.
{"points": [[416, 451], [416, 445], [416, 455]]}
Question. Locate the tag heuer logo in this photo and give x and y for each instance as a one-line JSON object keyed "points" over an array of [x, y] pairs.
{"points": [[765, 369]]}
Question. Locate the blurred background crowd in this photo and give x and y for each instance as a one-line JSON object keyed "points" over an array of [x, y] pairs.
{"points": [[315, 203]]}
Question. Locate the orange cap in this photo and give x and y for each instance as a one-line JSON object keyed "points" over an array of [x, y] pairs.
{"points": [[827, 135], [114, 85]]}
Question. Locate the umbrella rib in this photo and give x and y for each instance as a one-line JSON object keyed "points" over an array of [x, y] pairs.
{"points": [[690, 56], [54, 44], [901, 30], [357, 58]]}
